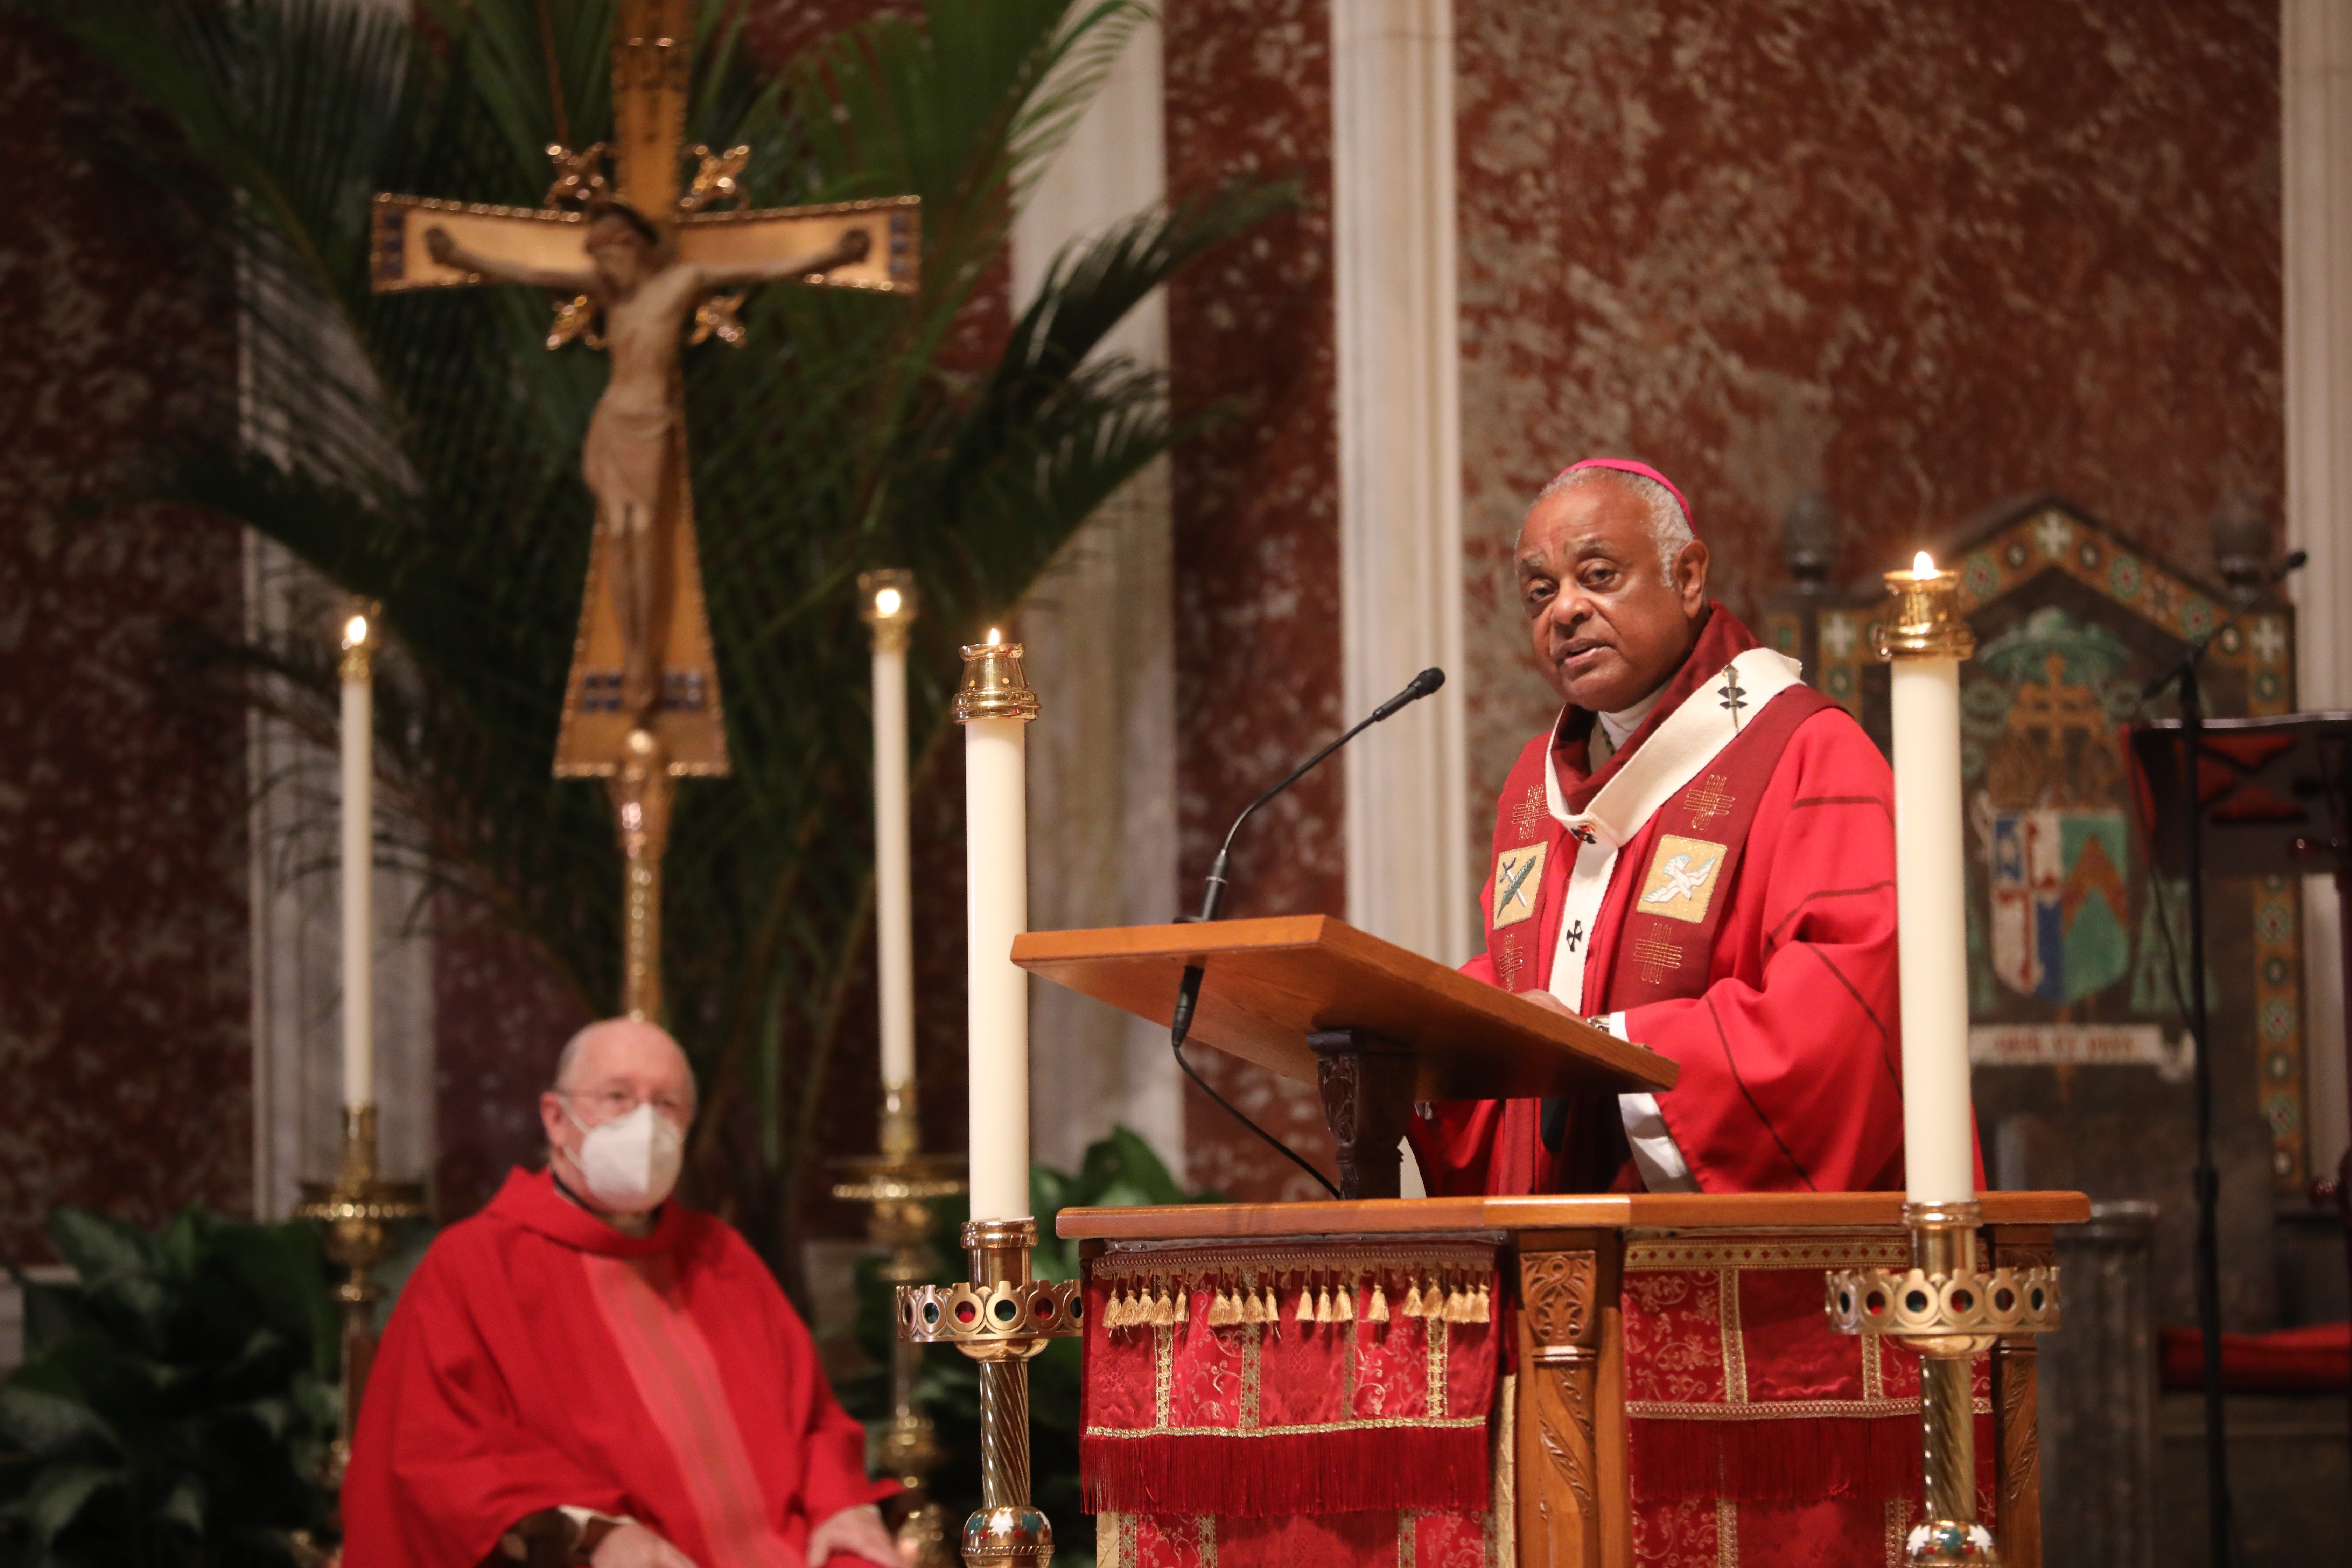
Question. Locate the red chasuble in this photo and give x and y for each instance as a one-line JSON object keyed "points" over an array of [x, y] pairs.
{"points": [[1725, 882], [540, 1359], [1762, 959]]}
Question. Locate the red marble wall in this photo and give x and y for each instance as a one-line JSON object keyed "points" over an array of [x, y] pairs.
{"points": [[1919, 257], [1257, 523], [125, 1030]]}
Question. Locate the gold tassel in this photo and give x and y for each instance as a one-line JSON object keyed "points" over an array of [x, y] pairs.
{"points": [[1482, 1310], [1376, 1307], [1165, 1312], [1221, 1310], [1433, 1303], [1413, 1307], [1253, 1307], [1323, 1305], [1305, 1313], [1343, 1303], [1114, 1313], [1273, 1309], [1457, 1306]]}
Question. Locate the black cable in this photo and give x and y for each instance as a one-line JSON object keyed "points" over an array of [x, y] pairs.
{"points": [[1277, 1144]]}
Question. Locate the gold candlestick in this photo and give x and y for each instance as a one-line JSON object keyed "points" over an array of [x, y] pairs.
{"points": [[1946, 1311], [1001, 1318], [357, 1210], [898, 1182]]}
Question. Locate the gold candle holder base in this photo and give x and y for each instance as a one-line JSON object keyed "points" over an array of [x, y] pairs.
{"points": [[1001, 1318], [357, 1211], [898, 1183], [1947, 1311]]}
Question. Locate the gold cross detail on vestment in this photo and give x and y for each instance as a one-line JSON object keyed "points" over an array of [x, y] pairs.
{"points": [[641, 265], [1712, 799]]}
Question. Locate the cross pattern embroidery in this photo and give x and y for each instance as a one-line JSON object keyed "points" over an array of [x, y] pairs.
{"points": [[1575, 935], [1656, 958], [1712, 798], [1734, 695], [1530, 811], [1584, 835]]}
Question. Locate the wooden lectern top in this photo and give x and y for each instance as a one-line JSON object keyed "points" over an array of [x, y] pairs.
{"points": [[1269, 983]]}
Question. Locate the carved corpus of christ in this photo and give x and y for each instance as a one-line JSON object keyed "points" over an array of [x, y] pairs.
{"points": [[634, 448], [645, 258], [644, 255]]}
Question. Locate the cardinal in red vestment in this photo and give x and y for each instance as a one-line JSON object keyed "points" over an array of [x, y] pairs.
{"points": [[588, 1371], [1700, 856], [1700, 853]]}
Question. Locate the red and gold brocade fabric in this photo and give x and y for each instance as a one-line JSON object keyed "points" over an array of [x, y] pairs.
{"points": [[1410, 1538], [1756, 1434], [1277, 1382]]}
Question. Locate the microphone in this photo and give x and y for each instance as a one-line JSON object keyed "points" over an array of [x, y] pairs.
{"points": [[1212, 899]]}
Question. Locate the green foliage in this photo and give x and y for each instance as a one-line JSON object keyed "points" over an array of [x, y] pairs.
{"points": [[173, 1406], [423, 450], [1121, 1171]]}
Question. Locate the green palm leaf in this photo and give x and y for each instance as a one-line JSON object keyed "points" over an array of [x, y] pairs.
{"points": [[424, 448]]}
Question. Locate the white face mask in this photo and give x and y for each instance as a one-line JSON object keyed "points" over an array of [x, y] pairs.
{"points": [[631, 1163]]}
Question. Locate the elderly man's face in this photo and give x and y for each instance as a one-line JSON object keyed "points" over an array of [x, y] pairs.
{"points": [[619, 1066], [1608, 626]]}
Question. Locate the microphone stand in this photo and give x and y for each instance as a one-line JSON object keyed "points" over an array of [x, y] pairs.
{"points": [[1212, 899], [2221, 1527]]}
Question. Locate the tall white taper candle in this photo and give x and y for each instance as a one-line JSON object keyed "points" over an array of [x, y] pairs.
{"points": [[358, 736], [889, 607], [994, 707], [1930, 889]]}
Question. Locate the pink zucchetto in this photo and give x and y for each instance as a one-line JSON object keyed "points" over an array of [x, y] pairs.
{"points": [[1627, 466]]}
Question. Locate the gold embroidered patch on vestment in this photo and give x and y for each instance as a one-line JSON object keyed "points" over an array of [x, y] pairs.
{"points": [[1518, 875], [1681, 879]]}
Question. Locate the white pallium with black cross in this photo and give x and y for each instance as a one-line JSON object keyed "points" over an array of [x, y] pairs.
{"points": [[1682, 878]]}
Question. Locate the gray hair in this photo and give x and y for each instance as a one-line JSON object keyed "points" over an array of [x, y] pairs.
{"points": [[1670, 528]]}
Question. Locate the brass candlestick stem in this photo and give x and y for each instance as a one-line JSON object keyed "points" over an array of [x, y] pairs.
{"points": [[1946, 1311], [357, 1210], [898, 1182], [1000, 1318]]}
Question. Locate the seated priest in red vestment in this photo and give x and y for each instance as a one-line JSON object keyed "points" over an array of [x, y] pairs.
{"points": [[588, 1371], [1700, 854]]}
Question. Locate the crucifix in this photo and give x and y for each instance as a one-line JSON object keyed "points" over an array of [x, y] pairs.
{"points": [[643, 264]]}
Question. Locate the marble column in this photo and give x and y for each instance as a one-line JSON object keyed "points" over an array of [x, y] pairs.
{"points": [[2315, 90], [1100, 634], [1393, 172]]}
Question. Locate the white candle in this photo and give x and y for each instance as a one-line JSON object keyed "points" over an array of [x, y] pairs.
{"points": [[358, 861], [1930, 891], [997, 902], [893, 863]]}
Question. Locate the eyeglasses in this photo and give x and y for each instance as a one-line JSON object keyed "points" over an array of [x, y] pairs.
{"points": [[612, 1103]]}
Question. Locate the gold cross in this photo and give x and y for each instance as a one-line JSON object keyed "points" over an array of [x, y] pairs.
{"points": [[645, 255], [419, 242]]}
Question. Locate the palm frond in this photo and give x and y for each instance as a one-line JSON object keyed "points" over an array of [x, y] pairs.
{"points": [[424, 450]]}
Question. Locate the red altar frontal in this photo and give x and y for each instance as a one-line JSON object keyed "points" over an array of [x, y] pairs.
{"points": [[1570, 1381]]}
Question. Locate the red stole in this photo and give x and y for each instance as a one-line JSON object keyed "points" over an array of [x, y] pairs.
{"points": [[1645, 956]]}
